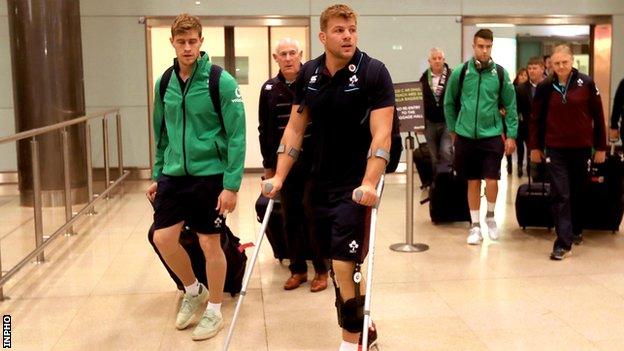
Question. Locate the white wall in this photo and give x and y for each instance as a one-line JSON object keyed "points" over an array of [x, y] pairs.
{"points": [[8, 161], [114, 45]]}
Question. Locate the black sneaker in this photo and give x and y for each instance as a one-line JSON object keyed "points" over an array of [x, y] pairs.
{"points": [[559, 254], [372, 338], [577, 239]]}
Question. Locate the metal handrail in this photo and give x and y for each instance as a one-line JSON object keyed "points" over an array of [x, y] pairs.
{"points": [[41, 130], [70, 218], [33, 254]]}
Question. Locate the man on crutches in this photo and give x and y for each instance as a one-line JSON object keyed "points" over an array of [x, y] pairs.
{"points": [[349, 98]]}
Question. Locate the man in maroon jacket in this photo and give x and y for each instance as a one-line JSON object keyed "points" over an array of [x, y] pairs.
{"points": [[567, 121]]}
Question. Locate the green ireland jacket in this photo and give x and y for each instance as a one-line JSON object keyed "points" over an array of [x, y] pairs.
{"points": [[479, 115], [188, 133]]}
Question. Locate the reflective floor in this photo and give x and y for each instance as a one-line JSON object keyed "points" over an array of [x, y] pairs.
{"points": [[105, 289]]}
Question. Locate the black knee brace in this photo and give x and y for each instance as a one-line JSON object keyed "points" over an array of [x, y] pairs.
{"points": [[350, 313]]}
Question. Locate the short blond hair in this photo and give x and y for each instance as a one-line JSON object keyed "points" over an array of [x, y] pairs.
{"points": [[185, 23], [563, 48], [435, 50], [288, 41], [338, 10]]}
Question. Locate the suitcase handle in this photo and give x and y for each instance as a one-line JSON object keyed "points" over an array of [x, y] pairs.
{"points": [[530, 178]]}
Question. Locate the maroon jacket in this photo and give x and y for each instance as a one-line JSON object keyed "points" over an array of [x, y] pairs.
{"points": [[577, 123]]}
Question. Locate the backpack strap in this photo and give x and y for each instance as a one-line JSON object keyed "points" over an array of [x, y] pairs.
{"points": [[213, 86], [309, 71], [460, 86], [162, 89], [164, 83], [372, 66], [500, 71], [215, 94]]}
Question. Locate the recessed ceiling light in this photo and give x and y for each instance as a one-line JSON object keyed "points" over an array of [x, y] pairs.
{"points": [[197, 2]]}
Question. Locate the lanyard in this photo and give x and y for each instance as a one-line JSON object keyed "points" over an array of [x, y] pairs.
{"points": [[563, 91]]}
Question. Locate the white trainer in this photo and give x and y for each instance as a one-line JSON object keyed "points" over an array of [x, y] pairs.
{"points": [[208, 326], [190, 305], [475, 237], [492, 228]]}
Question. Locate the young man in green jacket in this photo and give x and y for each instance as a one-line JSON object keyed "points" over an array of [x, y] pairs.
{"points": [[474, 111], [197, 172]]}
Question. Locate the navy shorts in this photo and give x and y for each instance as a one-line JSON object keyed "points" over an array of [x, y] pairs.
{"points": [[340, 225], [479, 158], [191, 200]]}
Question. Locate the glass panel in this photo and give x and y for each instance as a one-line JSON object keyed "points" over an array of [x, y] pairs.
{"points": [[252, 46], [602, 64]]}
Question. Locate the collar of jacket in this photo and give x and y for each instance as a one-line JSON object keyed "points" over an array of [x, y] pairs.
{"points": [[199, 63], [573, 77], [281, 78], [356, 60], [430, 73], [473, 65]]}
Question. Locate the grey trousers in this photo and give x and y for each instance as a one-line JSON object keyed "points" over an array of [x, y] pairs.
{"points": [[439, 143]]}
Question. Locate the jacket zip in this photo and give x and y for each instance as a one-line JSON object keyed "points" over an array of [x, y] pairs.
{"points": [[477, 108], [188, 86]]}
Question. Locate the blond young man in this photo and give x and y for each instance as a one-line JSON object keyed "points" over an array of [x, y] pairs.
{"points": [[197, 171]]}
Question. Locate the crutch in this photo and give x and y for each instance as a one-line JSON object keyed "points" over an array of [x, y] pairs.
{"points": [[243, 292], [371, 258]]}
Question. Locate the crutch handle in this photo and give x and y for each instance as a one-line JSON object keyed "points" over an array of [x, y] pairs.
{"points": [[358, 195], [268, 187]]}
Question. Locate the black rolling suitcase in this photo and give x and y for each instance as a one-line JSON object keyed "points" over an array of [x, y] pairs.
{"points": [[275, 231], [234, 255], [603, 196], [448, 196], [422, 161], [533, 203]]}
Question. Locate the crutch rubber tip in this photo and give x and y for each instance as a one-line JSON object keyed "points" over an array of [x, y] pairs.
{"points": [[358, 195], [268, 187]]}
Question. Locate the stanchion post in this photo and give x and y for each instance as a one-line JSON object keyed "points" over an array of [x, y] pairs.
{"points": [[119, 145], [67, 180], [91, 211], [408, 245], [36, 176], [106, 154]]}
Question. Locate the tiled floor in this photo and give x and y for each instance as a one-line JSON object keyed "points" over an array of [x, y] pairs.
{"points": [[104, 288]]}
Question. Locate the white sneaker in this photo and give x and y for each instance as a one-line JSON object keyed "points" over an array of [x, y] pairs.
{"points": [[208, 326], [190, 305], [475, 237], [492, 228]]}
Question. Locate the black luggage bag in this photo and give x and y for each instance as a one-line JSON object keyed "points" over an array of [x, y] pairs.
{"points": [[234, 255], [533, 202], [603, 196], [275, 231], [448, 196], [422, 161]]}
